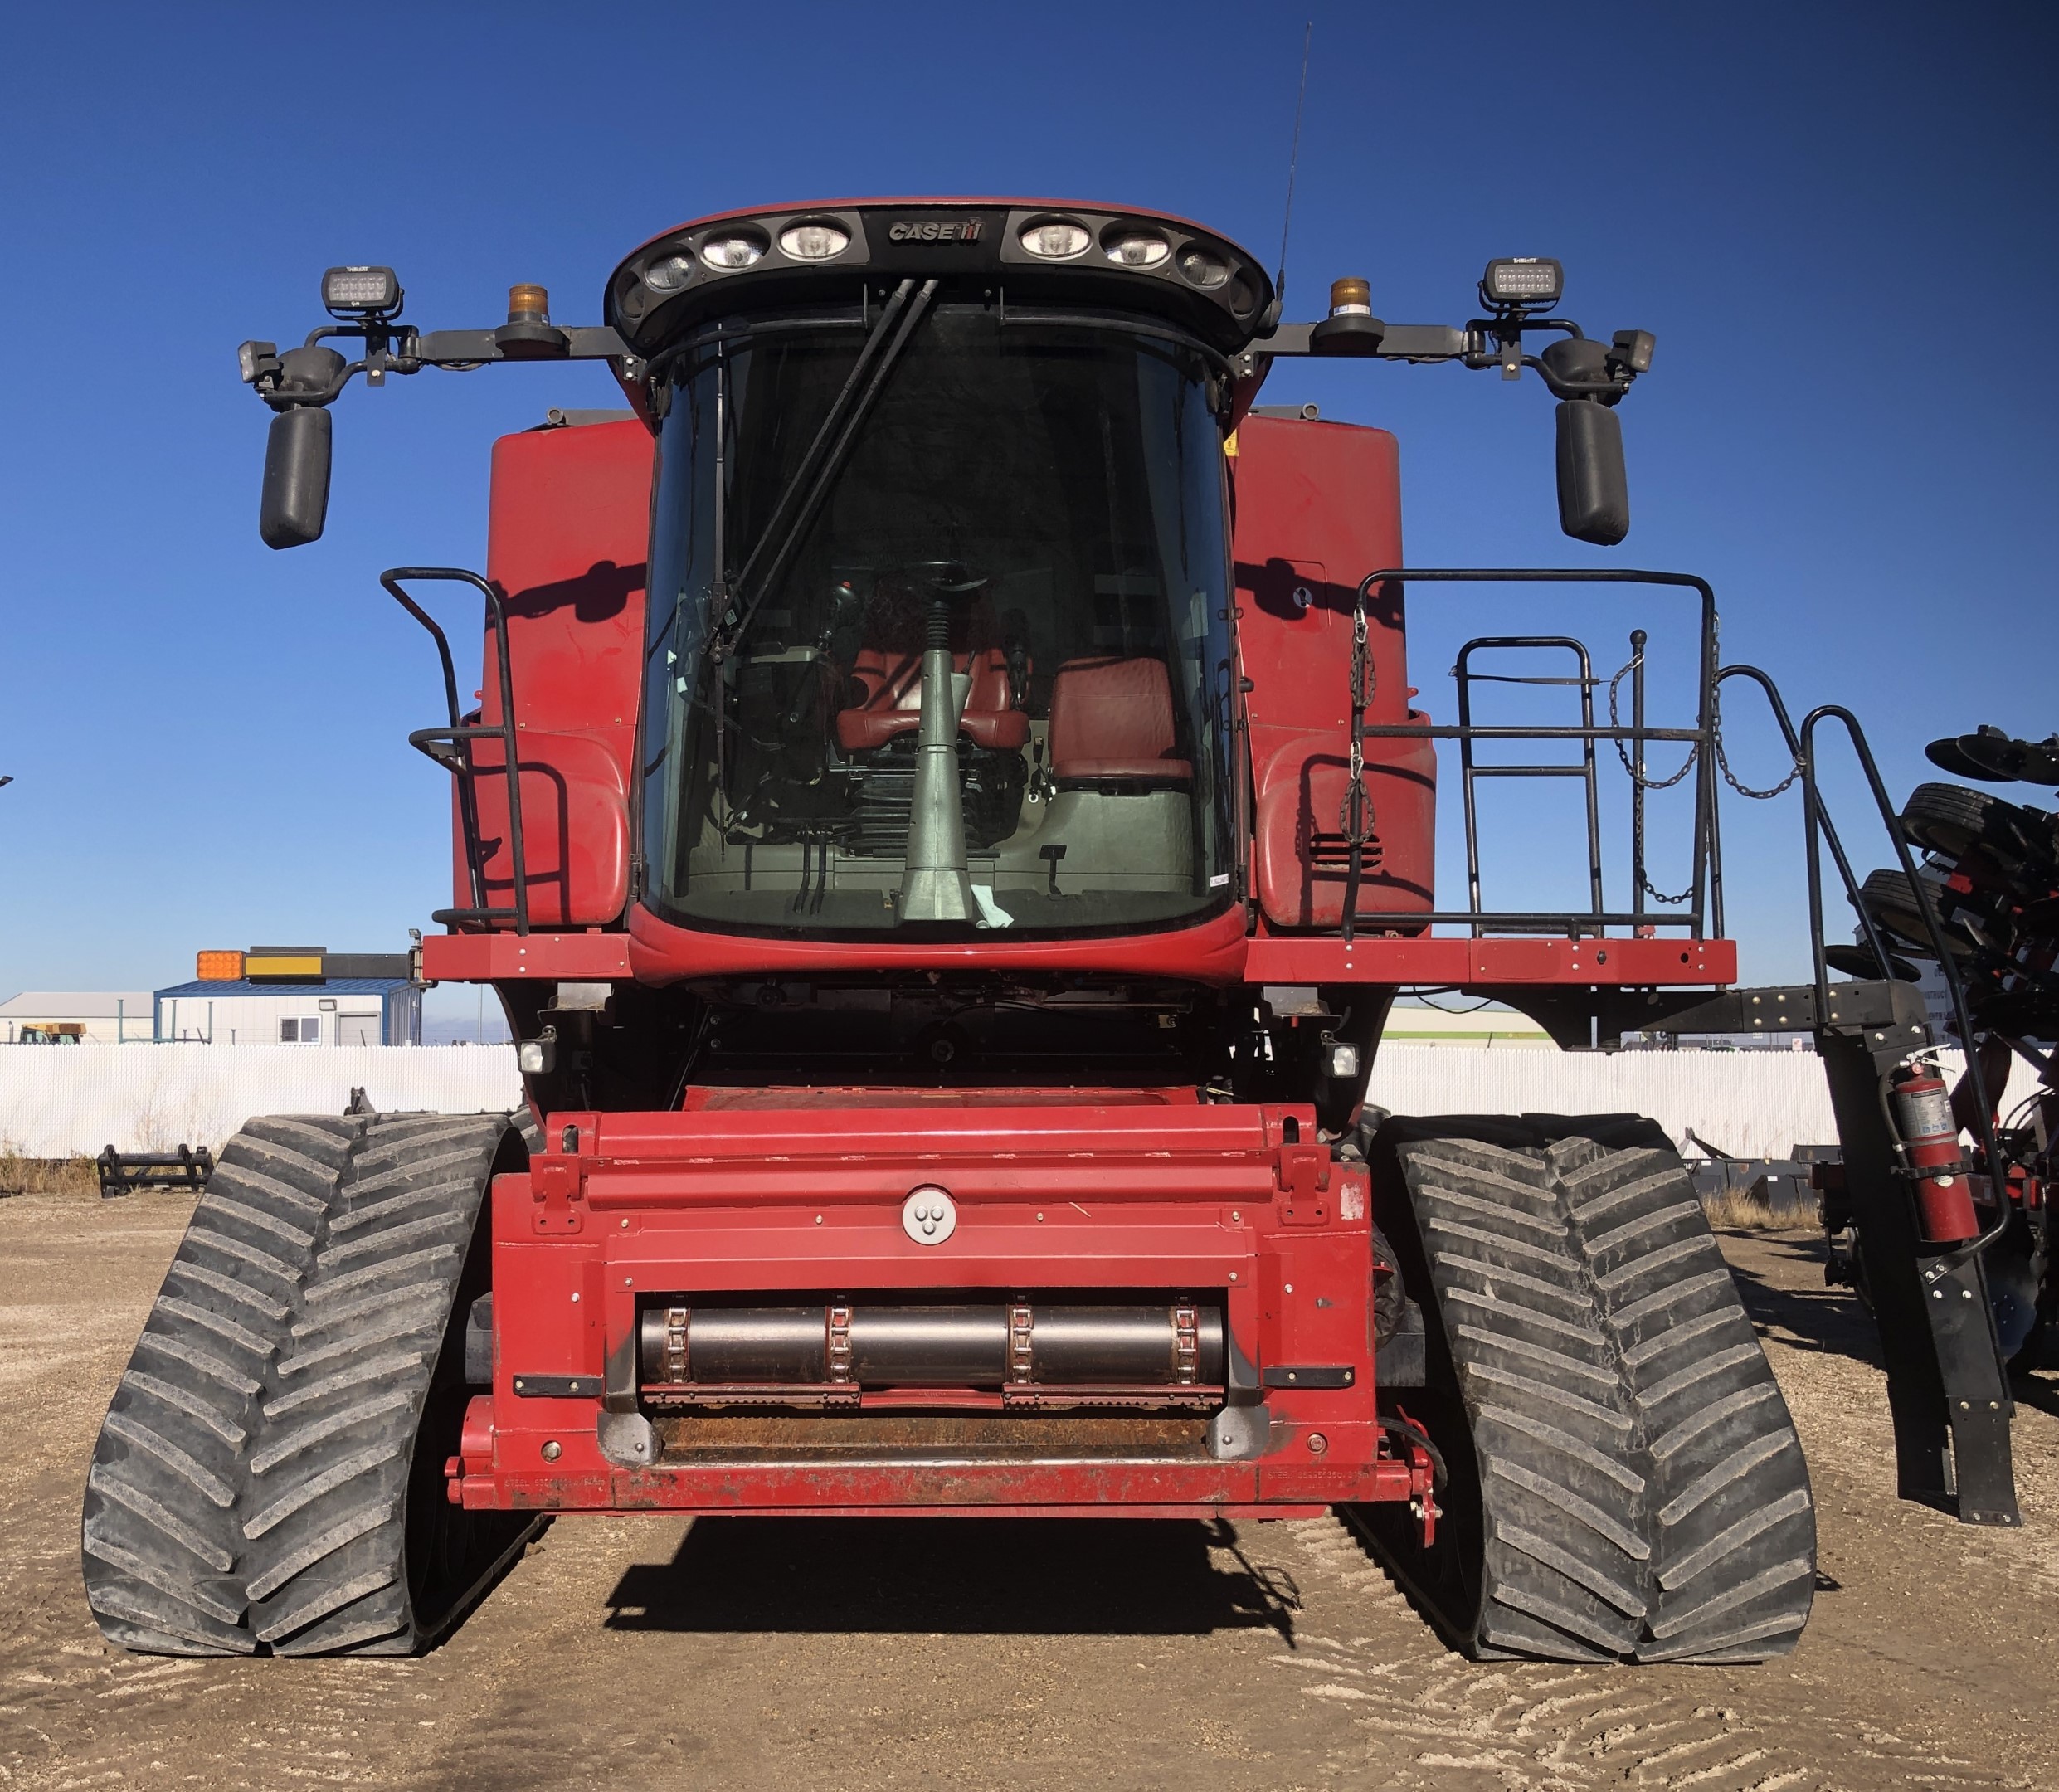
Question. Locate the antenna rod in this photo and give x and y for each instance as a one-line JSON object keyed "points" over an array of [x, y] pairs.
{"points": [[1293, 161]]}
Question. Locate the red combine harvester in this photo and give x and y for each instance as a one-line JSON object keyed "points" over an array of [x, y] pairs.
{"points": [[946, 820]]}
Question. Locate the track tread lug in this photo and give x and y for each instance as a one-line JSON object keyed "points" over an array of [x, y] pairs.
{"points": [[249, 1486], [1635, 1486]]}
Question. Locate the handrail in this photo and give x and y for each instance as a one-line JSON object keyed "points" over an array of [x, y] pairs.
{"points": [[461, 733], [1707, 849], [1875, 943], [1470, 770], [1997, 1175]]}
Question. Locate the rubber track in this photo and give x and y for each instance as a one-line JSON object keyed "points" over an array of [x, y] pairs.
{"points": [[1727, 1507], [1643, 1496], [274, 1394], [324, 1510], [160, 1553]]}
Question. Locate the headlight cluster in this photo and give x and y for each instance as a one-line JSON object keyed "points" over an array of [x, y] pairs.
{"points": [[1126, 244], [809, 240], [976, 244]]}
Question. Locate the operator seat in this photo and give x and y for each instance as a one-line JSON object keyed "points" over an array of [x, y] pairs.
{"points": [[1111, 724], [884, 696]]}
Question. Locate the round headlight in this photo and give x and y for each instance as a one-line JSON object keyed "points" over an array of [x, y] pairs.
{"points": [[733, 251], [668, 272], [814, 242], [1055, 240], [1139, 249], [1204, 269]]}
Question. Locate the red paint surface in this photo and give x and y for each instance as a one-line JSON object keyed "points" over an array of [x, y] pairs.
{"points": [[566, 544], [1212, 951], [1199, 1199], [1222, 955], [1318, 508]]}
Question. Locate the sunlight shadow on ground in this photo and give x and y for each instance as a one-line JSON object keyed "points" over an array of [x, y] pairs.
{"points": [[1019, 1576]]}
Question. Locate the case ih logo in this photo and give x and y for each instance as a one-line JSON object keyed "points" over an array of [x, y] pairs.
{"points": [[935, 230]]}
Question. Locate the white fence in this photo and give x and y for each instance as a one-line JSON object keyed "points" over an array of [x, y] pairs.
{"points": [[1748, 1103], [62, 1101]]}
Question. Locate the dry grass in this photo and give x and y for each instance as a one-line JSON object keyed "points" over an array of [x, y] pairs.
{"points": [[1741, 1210], [48, 1176]]}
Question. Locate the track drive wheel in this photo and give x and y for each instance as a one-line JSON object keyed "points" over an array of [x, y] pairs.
{"points": [[1625, 1481], [269, 1477]]}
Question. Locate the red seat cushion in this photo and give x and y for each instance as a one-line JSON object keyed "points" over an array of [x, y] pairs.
{"points": [[1112, 718], [892, 701]]}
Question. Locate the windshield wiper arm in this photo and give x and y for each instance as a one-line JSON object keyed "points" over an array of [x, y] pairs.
{"points": [[901, 315], [832, 420]]}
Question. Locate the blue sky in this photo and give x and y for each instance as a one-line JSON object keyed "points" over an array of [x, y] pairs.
{"points": [[1836, 219]]}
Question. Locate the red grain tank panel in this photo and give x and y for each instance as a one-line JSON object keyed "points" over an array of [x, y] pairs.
{"points": [[566, 542], [1318, 508]]}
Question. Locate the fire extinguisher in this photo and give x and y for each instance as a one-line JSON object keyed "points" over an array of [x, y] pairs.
{"points": [[1929, 1137]]}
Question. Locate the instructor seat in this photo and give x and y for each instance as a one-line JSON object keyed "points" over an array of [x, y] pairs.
{"points": [[1111, 724]]}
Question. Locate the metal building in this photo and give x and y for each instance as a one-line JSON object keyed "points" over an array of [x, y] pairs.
{"points": [[295, 995]]}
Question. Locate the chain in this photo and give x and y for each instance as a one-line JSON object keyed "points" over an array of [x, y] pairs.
{"points": [[1687, 765], [1722, 764], [1730, 777], [1354, 819], [1355, 815], [1615, 721]]}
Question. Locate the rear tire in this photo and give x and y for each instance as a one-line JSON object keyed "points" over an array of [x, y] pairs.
{"points": [[1625, 1480]]}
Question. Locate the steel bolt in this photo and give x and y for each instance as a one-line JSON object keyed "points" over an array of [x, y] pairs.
{"points": [[1290, 1287], [625, 1222], [552, 1450], [1236, 1218], [1040, 1218], [1317, 1442], [575, 1298], [1232, 1277], [629, 1282]]}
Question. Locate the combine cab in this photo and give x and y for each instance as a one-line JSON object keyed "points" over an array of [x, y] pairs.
{"points": [[947, 821]]}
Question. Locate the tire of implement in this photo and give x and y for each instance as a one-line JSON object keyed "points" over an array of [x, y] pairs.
{"points": [[1895, 910], [268, 1478], [1952, 819], [1625, 1480]]}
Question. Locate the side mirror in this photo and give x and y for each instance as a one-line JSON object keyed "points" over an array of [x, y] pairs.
{"points": [[296, 477], [1593, 489]]}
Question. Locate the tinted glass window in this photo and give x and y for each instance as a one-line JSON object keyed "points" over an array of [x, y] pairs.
{"points": [[1020, 555]]}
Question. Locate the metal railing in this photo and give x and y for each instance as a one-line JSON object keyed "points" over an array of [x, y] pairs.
{"points": [[1701, 907], [450, 748]]}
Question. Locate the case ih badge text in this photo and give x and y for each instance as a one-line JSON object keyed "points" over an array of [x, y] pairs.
{"points": [[935, 230]]}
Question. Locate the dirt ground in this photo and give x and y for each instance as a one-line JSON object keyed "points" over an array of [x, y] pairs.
{"points": [[786, 1654]]}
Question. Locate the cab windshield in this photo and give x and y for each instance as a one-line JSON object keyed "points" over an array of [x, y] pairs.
{"points": [[959, 662]]}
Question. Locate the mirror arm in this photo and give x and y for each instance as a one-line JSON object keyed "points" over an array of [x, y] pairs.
{"points": [[291, 398], [413, 351], [470, 347], [1429, 343], [1608, 391]]}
